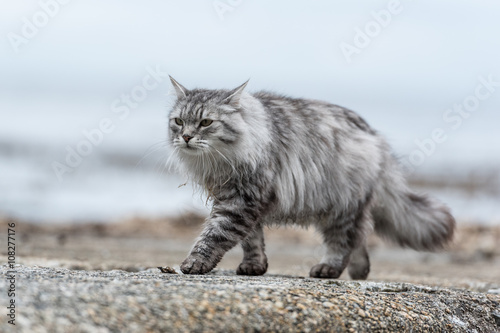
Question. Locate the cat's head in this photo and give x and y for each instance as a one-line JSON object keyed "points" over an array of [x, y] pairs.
{"points": [[206, 121]]}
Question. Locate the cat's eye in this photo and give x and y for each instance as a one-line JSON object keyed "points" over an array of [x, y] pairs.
{"points": [[179, 121], [206, 122]]}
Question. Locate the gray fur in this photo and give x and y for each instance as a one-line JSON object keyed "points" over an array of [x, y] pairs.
{"points": [[267, 159]]}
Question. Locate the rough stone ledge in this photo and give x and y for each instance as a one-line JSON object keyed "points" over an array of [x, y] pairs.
{"points": [[62, 300]]}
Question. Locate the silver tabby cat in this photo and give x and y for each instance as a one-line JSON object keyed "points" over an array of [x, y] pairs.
{"points": [[266, 159]]}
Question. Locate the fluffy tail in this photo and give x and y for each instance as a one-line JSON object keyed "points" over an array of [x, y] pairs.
{"points": [[409, 219]]}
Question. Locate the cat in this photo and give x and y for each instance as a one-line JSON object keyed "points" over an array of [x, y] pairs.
{"points": [[266, 159]]}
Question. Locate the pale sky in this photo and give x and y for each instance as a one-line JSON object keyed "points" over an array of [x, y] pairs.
{"points": [[62, 67], [422, 59], [430, 51]]}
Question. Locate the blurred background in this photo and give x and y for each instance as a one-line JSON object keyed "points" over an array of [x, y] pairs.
{"points": [[84, 93]]}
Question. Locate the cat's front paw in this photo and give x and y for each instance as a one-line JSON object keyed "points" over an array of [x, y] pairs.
{"points": [[195, 265], [251, 268], [325, 271]]}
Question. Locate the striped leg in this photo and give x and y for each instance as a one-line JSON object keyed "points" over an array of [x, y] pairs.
{"points": [[226, 227], [254, 257]]}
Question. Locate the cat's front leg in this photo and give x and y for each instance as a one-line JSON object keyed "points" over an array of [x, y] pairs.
{"points": [[254, 256], [227, 226]]}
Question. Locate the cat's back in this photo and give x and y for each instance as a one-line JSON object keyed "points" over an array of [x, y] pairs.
{"points": [[311, 116], [316, 148]]}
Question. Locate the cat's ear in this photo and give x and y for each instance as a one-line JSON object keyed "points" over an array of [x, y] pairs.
{"points": [[235, 95], [180, 91]]}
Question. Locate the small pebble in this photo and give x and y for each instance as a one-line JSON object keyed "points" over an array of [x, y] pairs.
{"points": [[167, 270], [328, 304]]}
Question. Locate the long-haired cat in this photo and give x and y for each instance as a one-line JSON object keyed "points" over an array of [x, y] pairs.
{"points": [[266, 159]]}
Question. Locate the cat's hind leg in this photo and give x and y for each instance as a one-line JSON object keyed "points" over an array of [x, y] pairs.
{"points": [[342, 236], [254, 258]]}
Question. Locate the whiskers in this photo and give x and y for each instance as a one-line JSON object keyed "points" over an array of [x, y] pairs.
{"points": [[207, 166], [202, 163], [163, 161], [168, 163], [228, 163]]}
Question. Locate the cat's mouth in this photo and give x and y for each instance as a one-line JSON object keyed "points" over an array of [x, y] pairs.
{"points": [[191, 149]]}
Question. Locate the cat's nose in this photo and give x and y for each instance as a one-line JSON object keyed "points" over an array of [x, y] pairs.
{"points": [[187, 137]]}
